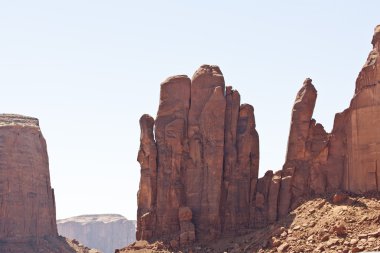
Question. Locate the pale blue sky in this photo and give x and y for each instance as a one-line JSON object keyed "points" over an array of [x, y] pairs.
{"points": [[89, 69]]}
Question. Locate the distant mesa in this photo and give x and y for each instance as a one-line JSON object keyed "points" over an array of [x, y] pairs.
{"points": [[105, 232], [200, 157]]}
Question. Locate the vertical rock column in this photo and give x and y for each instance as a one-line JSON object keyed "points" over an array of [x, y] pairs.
{"points": [[147, 194], [204, 169], [229, 191], [301, 117], [307, 152], [247, 166], [27, 206], [171, 133]]}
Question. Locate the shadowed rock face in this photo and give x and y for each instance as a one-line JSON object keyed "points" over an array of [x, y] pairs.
{"points": [[208, 156]]}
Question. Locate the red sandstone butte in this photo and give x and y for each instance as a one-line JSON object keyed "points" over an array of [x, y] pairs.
{"points": [[200, 157], [27, 199], [27, 205]]}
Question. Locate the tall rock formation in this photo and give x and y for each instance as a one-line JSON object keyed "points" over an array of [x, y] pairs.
{"points": [[204, 156], [27, 205], [201, 162], [147, 194], [27, 200], [105, 232], [204, 172]]}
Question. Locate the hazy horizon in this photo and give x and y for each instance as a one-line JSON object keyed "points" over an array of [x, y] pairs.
{"points": [[89, 69]]}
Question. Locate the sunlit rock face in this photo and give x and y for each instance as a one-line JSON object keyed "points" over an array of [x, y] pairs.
{"points": [[105, 232]]}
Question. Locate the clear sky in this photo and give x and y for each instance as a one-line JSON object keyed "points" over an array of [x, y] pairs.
{"points": [[89, 69]]}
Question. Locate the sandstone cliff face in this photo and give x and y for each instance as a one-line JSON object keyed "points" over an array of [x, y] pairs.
{"points": [[105, 232], [204, 156], [27, 205], [361, 172], [345, 159]]}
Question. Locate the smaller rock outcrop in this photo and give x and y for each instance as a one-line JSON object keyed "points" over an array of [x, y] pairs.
{"points": [[105, 232]]}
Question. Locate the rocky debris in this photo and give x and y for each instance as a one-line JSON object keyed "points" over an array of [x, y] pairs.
{"points": [[80, 248], [340, 229], [204, 155], [144, 247], [105, 232], [339, 198], [330, 228], [283, 247], [27, 209], [311, 227]]}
